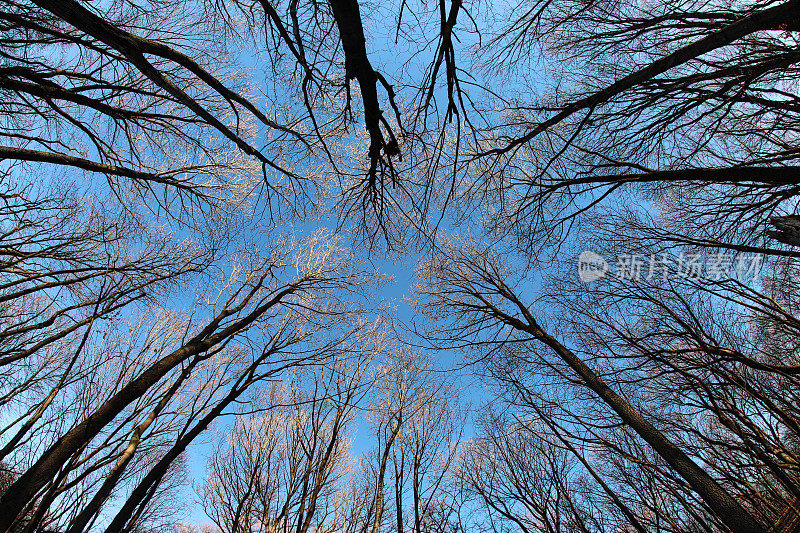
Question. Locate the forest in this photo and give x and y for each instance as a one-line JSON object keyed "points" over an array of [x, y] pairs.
{"points": [[451, 266]]}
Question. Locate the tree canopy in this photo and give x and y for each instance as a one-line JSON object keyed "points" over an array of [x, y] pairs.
{"points": [[200, 202]]}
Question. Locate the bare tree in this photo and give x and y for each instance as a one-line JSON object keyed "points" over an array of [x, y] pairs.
{"points": [[471, 291], [417, 421], [687, 105], [282, 315], [282, 467], [155, 102]]}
